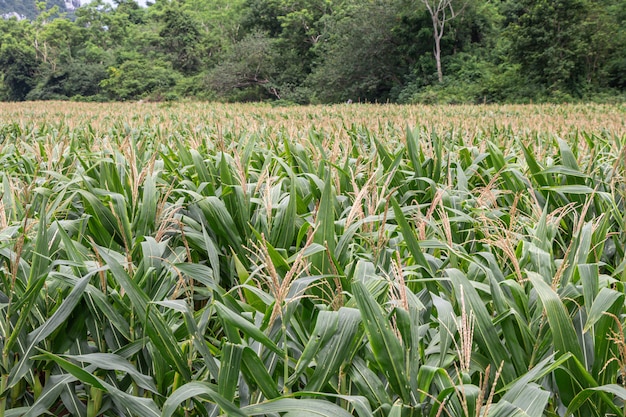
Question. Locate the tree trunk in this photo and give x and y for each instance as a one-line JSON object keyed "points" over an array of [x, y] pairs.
{"points": [[437, 53]]}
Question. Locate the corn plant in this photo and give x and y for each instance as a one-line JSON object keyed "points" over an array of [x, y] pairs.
{"points": [[169, 265]]}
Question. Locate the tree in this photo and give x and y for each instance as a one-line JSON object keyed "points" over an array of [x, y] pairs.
{"points": [[249, 67], [94, 22], [18, 61], [180, 38], [549, 42], [297, 27], [139, 78], [616, 63], [605, 38], [19, 67], [441, 12], [56, 42], [357, 61], [219, 22]]}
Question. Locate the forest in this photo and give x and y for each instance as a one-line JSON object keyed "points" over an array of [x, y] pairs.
{"points": [[319, 51]]}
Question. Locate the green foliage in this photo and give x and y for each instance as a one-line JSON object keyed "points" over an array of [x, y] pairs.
{"points": [[563, 46], [20, 67], [358, 62], [181, 39], [318, 51], [76, 79], [138, 79], [248, 70]]}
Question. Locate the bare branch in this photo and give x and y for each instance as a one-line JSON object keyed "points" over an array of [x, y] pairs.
{"points": [[438, 10]]}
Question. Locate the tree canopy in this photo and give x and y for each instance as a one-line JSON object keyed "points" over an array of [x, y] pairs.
{"points": [[318, 51]]}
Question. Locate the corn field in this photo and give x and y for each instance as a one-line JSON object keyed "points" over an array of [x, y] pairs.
{"points": [[244, 260]]}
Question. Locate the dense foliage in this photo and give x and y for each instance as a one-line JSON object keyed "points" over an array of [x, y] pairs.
{"points": [[242, 260], [320, 51]]}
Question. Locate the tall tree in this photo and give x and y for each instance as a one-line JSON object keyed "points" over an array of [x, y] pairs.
{"points": [[180, 38], [441, 12], [297, 27], [248, 70], [357, 61], [18, 61], [549, 42]]}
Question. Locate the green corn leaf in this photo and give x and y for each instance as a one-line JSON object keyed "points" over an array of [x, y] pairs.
{"points": [[98, 303], [234, 198], [200, 273], [571, 379], [567, 156], [193, 329], [325, 327], [499, 165], [414, 151], [28, 299], [50, 325], [117, 363], [102, 223], [485, 332], [145, 218], [410, 239], [563, 332], [136, 406], [49, 395], [584, 395], [220, 220], [40, 264], [78, 372], [569, 189], [73, 403], [40, 261], [256, 371], [368, 383], [447, 320], [284, 227], [308, 407], [533, 401], [385, 345], [144, 407], [339, 349], [200, 390], [535, 169], [230, 364], [120, 211], [234, 319], [605, 299], [604, 319], [589, 276], [425, 378], [325, 229], [160, 334], [506, 409]]}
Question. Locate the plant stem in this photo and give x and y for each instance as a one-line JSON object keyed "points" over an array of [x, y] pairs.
{"points": [[95, 402], [286, 362], [3, 385]]}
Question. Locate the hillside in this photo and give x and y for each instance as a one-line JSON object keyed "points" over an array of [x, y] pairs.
{"points": [[28, 8]]}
